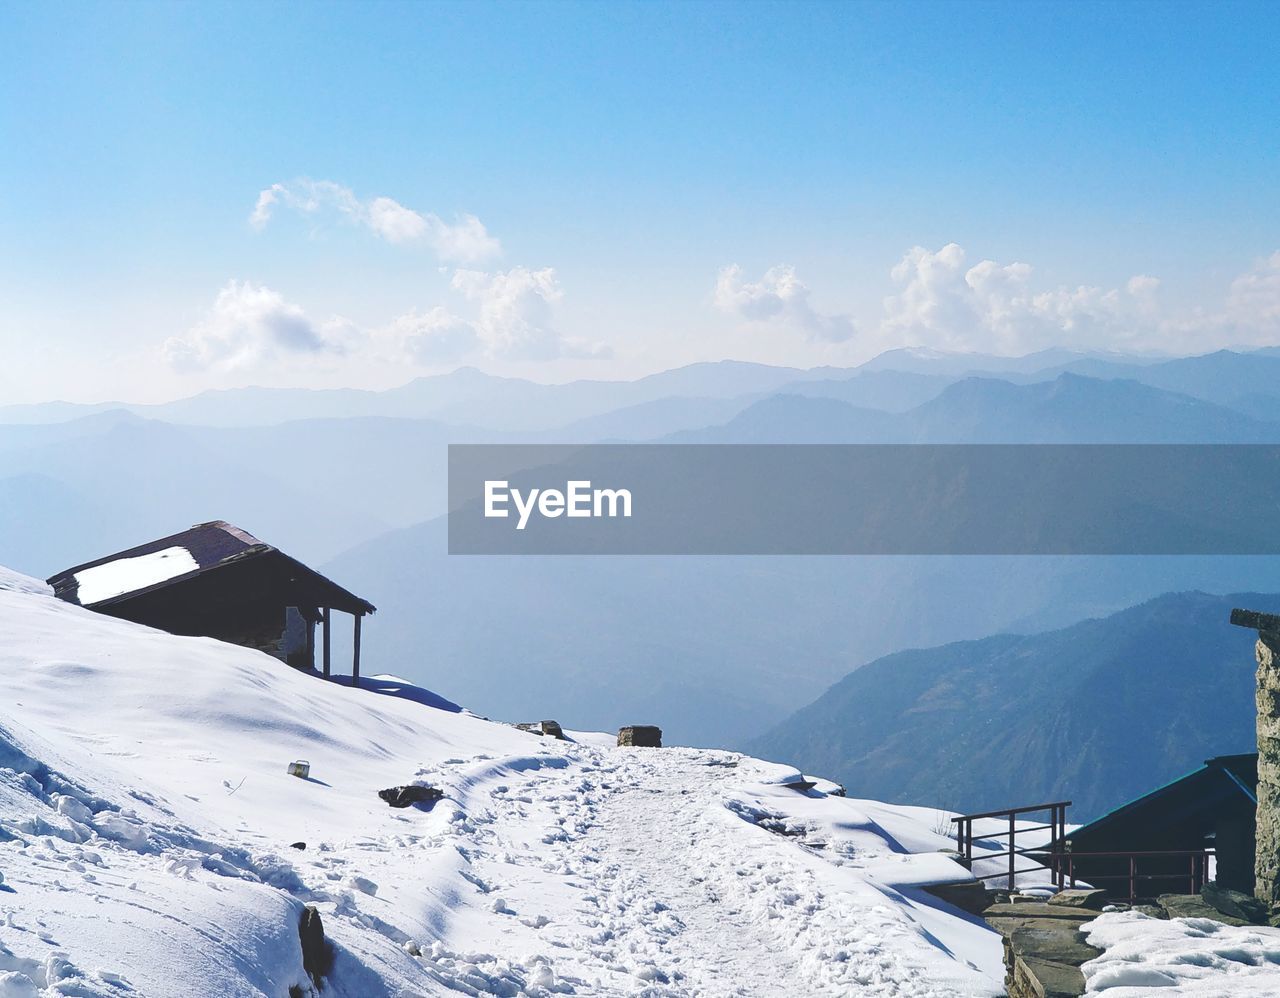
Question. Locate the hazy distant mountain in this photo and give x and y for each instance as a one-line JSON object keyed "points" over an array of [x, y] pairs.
{"points": [[601, 641], [647, 420], [110, 483], [466, 396], [1226, 377], [698, 394], [1077, 409], [46, 524], [891, 391], [957, 364], [1096, 713], [1069, 409], [606, 641]]}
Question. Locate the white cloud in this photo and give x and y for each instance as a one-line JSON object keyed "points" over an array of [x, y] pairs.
{"points": [[433, 337], [1254, 297], [394, 222], [943, 303], [515, 313], [942, 300], [778, 296], [466, 240], [249, 325]]}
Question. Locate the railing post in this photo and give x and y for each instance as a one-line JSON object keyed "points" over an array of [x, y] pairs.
{"points": [[1133, 877], [1055, 845], [1012, 854]]}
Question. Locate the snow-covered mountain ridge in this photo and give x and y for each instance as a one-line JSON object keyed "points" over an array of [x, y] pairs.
{"points": [[147, 822]]}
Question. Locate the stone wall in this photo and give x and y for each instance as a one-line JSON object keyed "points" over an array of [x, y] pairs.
{"points": [[1267, 856], [1043, 948]]}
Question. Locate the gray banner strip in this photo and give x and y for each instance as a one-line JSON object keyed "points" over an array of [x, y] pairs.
{"points": [[864, 499]]}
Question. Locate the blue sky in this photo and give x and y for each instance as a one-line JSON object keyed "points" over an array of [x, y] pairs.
{"points": [[1100, 176]]}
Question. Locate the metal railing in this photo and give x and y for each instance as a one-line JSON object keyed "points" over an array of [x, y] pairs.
{"points": [[1057, 827], [1195, 873], [1059, 861]]}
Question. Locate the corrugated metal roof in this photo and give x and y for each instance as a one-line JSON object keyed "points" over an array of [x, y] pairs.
{"points": [[160, 563]]}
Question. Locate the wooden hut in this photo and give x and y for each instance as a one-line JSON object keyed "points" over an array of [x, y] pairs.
{"points": [[216, 580], [1163, 839]]}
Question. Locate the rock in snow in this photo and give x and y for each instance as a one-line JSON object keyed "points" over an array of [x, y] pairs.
{"points": [[640, 735], [146, 825], [404, 796]]}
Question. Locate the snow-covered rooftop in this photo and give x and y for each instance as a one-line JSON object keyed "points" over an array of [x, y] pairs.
{"points": [[128, 575], [203, 548]]}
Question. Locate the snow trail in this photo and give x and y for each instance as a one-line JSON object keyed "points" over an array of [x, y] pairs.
{"points": [[679, 895]]}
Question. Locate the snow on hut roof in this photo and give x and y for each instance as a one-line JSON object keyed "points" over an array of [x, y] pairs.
{"points": [[169, 560]]}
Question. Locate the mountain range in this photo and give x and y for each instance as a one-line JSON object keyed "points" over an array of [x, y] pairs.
{"points": [[1096, 713], [354, 482]]}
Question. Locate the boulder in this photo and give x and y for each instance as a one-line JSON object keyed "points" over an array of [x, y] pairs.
{"points": [[1235, 903], [640, 736], [550, 729], [1080, 898], [411, 794], [1194, 906]]}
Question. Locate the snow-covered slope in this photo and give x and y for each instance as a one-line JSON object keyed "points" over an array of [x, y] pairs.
{"points": [[147, 823], [1146, 957]]}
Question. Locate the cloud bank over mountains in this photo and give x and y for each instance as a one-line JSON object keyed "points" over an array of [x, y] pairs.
{"points": [[937, 298], [511, 313], [940, 300], [251, 327], [943, 302]]}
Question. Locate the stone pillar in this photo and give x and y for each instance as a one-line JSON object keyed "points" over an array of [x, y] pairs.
{"points": [[1267, 862]]}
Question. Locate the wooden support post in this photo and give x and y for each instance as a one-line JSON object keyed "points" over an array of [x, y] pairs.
{"points": [[311, 642], [325, 624], [355, 653]]}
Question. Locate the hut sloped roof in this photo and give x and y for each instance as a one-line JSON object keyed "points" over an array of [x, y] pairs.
{"points": [[168, 561], [1200, 792]]}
